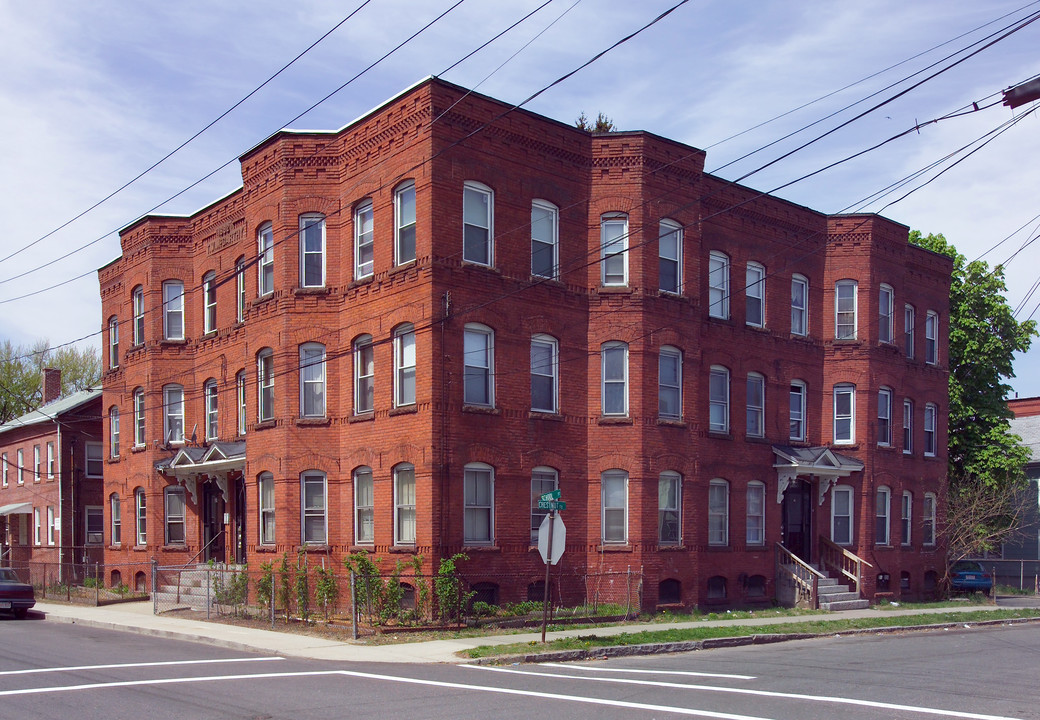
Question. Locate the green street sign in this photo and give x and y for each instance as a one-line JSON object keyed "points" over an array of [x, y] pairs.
{"points": [[553, 495], [552, 505]]}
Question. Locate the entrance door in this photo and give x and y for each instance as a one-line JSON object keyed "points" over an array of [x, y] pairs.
{"points": [[213, 522], [240, 521], [797, 512]]}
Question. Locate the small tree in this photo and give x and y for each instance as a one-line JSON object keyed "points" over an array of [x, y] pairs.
{"points": [[265, 585], [326, 589], [302, 585], [285, 584], [601, 124], [451, 600], [368, 584]]}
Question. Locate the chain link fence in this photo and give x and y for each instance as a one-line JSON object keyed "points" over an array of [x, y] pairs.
{"points": [[1020, 574], [84, 583], [372, 601]]}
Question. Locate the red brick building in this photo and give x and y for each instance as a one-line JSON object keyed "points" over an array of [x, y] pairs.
{"points": [[51, 483], [396, 335]]}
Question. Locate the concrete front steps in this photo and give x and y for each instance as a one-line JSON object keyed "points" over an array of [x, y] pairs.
{"points": [[191, 589], [834, 596]]}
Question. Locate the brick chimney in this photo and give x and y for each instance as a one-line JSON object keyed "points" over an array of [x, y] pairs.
{"points": [[51, 385]]}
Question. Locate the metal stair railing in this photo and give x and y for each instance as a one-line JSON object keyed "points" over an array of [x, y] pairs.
{"points": [[843, 562], [804, 578]]}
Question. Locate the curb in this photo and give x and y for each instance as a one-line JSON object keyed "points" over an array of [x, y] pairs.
{"points": [[154, 632], [614, 651]]}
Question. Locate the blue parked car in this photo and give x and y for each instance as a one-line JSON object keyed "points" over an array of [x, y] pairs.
{"points": [[969, 576]]}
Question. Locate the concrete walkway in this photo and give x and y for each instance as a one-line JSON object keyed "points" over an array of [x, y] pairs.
{"points": [[137, 617]]}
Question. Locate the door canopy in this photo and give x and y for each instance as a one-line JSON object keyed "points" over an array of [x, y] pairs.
{"points": [[811, 462]]}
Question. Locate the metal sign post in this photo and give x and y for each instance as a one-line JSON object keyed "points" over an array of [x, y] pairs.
{"points": [[548, 565], [551, 541]]}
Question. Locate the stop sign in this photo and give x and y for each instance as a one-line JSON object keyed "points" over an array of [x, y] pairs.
{"points": [[559, 538]]}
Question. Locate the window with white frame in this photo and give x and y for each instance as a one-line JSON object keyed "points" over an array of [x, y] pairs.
{"points": [[908, 331], [265, 488], [173, 310], [265, 261], [94, 456], [50, 525], [886, 314], [478, 504], [312, 380], [931, 338], [404, 504], [51, 460], [841, 515], [908, 426], [718, 285], [364, 240], [669, 383], [240, 289], [613, 249], [756, 405], [211, 400], [209, 302], [265, 384], [315, 519], [543, 480], [404, 365], [37, 527], [141, 516], [404, 223], [364, 506], [3, 463], [174, 515], [928, 520], [718, 512], [669, 256], [364, 375], [545, 218], [755, 295], [240, 391], [930, 412], [799, 305], [95, 524], [614, 507], [884, 417], [139, 418], [113, 342], [544, 373], [755, 532], [312, 250], [844, 414], [173, 413], [21, 463], [718, 399], [882, 502], [905, 515], [796, 410], [614, 385], [477, 224], [137, 301], [478, 365], [845, 310], [36, 462], [115, 513], [669, 508], [113, 432]]}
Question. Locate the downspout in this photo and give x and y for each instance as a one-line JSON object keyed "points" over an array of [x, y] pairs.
{"points": [[61, 508], [445, 398]]}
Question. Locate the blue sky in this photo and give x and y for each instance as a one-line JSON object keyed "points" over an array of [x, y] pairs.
{"points": [[94, 93]]}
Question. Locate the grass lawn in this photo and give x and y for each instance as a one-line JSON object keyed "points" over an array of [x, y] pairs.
{"points": [[687, 634]]}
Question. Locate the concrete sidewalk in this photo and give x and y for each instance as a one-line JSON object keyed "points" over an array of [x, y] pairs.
{"points": [[137, 617]]}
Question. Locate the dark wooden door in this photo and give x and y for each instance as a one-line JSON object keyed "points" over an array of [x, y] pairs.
{"points": [[797, 516], [213, 522]]}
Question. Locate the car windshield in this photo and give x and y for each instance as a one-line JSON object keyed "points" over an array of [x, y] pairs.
{"points": [[7, 575]]}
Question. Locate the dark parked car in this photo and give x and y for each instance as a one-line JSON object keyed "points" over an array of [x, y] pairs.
{"points": [[969, 576], [15, 596]]}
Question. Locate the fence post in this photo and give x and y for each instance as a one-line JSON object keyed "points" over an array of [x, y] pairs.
{"points": [[155, 587], [97, 584], [209, 583], [353, 603]]}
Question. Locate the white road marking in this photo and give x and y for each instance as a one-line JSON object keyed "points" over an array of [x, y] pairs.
{"points": [[759, 693], [165, 663], [689, 673], [391, 678]]}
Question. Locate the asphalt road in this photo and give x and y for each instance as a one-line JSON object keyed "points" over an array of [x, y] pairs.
{"points": [[60, 671]]}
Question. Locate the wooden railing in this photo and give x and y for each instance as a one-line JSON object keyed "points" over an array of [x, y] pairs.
{"points": [[797, 581], [843, 563]]}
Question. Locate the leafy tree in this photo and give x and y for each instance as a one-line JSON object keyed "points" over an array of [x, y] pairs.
{"points": [[985, 459], [601, 124], [21, 374]]}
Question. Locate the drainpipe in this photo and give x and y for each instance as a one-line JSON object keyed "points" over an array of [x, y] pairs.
{"points": [[61, 509]]}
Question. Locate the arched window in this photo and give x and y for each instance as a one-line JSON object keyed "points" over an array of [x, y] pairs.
{"points": [[265, 384], [312, 380], [717, 587], [669, 592]]}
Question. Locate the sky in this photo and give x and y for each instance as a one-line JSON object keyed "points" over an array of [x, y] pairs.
{"points": [[94, 94]]}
